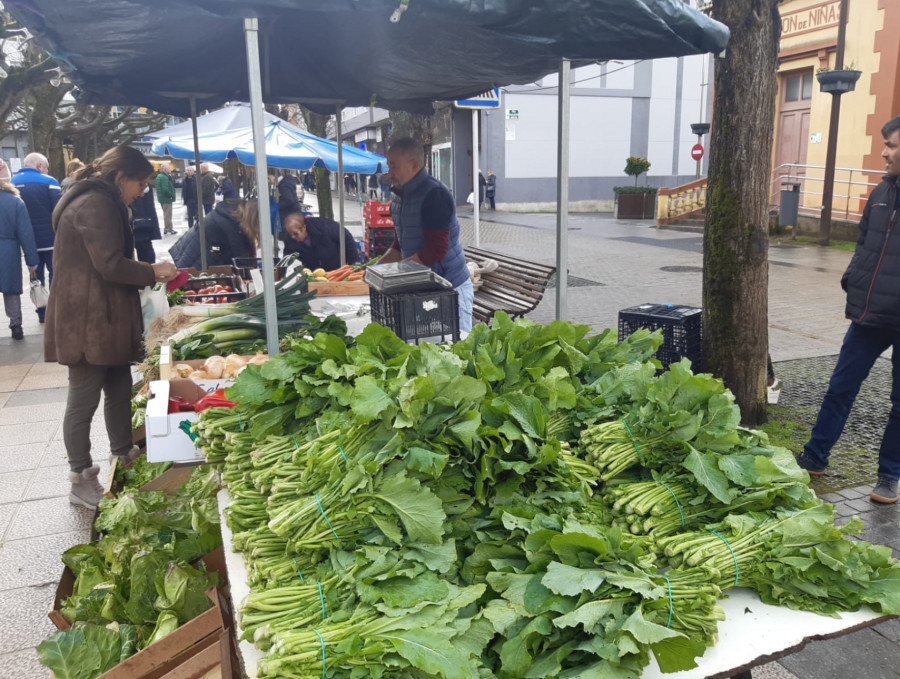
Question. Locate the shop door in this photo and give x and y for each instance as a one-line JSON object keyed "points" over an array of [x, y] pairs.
{"points": [[795, 95]]}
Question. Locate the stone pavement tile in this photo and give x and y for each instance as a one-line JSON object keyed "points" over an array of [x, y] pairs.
{"points": [[49, 516], [56, 450], [853, 493], [9, 383], [20, 457], [37, 396], [862, 655], [7, 515], [860, 505], [9, 372], [44, 381], [832, 498], [30, 414], [23, 665], [23, 618], [48, 369], [53, 481], [14, 484], [772, 670], [845, 510], [890, 630], [14, 434], [36, 561], [4, 397]]}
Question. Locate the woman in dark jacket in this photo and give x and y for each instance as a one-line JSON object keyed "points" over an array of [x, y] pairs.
{"points": [[145, 224], [231, 229], [16, 236], [94, 321], [318, 242]]}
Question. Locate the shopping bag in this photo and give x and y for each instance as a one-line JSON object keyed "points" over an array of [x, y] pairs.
{"points": [[39, 294], [471, 199], [154, 304]]}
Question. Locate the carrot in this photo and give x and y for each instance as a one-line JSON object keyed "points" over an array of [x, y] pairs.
{"points": [[356, 276], [339, 274]]}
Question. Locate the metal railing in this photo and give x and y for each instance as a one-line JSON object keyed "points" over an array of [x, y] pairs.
{"points": [[842, 199]]}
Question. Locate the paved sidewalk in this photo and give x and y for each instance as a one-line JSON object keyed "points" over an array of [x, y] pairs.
{"points": [[612, 265]]}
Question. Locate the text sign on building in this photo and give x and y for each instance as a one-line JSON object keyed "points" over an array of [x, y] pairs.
{"points": [[815, 18], [490, 99], [512, 114]]}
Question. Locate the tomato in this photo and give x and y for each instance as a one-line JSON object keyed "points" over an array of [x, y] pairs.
{"points": [[222, 300], [228, 288]]}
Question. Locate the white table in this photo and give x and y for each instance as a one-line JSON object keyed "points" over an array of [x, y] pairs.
{"points": [[753, 633]]}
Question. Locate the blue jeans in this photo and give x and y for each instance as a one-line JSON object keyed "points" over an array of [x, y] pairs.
{"points": [[466, 297], [862, 346]]}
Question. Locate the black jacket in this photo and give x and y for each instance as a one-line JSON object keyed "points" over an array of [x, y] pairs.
{"points": [[144, 220], [189, 190], [323, 250], [872, 280], [224, 241], [288, 201]]}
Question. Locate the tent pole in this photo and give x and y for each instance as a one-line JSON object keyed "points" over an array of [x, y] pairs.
{"points": [[201, 221], [562, 194], [251, 35], [476, 184], [340, 179]]}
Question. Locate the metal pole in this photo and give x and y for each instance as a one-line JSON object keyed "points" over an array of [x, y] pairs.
{"points": [[562, 194], [340, 178], [831, 151], [476, 183], [201, 216], [700, 159], [251, 35]]}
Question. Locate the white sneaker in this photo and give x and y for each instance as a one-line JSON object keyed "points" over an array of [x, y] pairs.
{"points": [[86, 489], [128, 459]]}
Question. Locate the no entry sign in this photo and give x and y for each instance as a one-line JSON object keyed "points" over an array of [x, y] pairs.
{"points": [[697, 151]]}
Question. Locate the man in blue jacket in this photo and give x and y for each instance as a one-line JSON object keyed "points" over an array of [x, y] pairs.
{"points": [[425, 224], [872, 284], [40, 192]]}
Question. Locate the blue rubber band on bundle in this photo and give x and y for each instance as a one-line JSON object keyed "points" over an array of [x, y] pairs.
{"points": [[322, 599], [341, 448], [299, 574], [675, 497], [636, 446], [321, 641], [321, 509], [737, 571], [669, 587]]}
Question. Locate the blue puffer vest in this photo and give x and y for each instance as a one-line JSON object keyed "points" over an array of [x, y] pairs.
{"points": [[406, 212]]}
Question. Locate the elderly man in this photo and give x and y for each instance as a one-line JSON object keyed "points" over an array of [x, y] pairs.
{"points": [[426, 228], [189, 196], [41, 193], [208, 187], [165, 194]]}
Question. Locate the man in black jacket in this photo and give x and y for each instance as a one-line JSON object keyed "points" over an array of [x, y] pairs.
{"points": [[872, 284]]}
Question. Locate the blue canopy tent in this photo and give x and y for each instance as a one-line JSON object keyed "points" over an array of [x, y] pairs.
{"points": [[286, 147]]}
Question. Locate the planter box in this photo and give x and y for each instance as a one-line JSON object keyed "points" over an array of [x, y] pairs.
{"points": [[838, 82], [636, 205]]}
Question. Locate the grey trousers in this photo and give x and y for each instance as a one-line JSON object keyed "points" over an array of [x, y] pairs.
{"points": [[13, 306], [86, 382], [167, 216]]}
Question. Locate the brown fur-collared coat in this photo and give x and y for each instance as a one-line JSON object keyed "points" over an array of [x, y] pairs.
{"points": [[94, 312]]}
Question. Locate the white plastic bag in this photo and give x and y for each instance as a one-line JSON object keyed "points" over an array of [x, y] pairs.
{"points": [[39, 294], [471, 199], [154, 304]]}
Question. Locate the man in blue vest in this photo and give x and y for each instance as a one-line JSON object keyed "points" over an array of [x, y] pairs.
{"points": [[425, 224], [41, 193]]}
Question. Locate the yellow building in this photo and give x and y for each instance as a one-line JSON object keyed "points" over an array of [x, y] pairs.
{"points": [[809, 36]]}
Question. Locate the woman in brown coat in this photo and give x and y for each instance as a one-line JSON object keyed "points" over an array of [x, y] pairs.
{"points": [[93, 322]]}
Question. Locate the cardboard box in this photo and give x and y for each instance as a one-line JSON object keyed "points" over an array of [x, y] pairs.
{"points": [[169, 481], [168, 435], [332, 288], [214, 562]]}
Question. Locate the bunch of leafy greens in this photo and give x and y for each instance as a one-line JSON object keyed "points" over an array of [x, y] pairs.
{"points": [[135, 585], [451, 511]]}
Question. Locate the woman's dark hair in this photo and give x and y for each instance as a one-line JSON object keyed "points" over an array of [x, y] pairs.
{"points": [[119, 160]]}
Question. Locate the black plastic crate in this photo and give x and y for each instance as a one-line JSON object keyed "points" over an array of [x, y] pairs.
{"points": [[682, 329], [193, 286], [243, 265], [418, 316]]}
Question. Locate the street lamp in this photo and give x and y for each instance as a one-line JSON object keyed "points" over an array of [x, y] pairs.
{"points": [[699, 129]]}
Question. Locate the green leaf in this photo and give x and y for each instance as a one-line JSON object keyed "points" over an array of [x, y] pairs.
{"points": [[678, 653], [525, 410], [419, 509], [591, 615], [706, 470], [430, 652], [645, 631], [426, 461], [369, 399], [571, 581], [70, 656]]}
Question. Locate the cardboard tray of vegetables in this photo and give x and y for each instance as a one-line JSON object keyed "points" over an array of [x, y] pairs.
{"points": [[528, 502]]}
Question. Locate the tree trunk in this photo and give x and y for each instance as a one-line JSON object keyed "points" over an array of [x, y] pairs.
{"points": [[316, 123], [735, 257]]}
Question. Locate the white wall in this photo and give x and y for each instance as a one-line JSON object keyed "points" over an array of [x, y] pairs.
{"points": [[597, 146]]}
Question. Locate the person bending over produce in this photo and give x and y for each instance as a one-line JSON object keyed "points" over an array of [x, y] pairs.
{"points": [[317, 241], [232, 230], [94, 322]]}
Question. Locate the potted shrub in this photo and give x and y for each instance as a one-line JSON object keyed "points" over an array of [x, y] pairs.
{"points": [[635, 202]]}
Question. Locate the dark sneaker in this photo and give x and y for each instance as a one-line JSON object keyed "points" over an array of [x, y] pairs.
{"points": [[885, 491], [17, 333], [811, 467]]}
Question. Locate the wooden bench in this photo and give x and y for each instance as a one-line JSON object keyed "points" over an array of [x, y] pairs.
{"points": [[516, 286]]}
